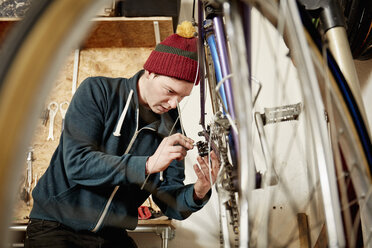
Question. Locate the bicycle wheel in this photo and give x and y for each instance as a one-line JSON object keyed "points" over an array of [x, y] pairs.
{"points": [[292, 138], [348, 145], [30, 60]]}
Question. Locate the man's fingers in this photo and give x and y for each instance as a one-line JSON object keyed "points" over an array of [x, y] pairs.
{"points": [[215, 163], [179, 151], [213, 156], [204, 160], [215, 166], [199, 173], [204, 168], [182, 140]]}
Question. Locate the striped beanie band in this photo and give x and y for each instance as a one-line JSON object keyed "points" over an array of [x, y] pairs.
{"points": [[177, 55]]}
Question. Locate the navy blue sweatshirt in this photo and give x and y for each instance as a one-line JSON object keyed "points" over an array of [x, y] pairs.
{"points": [[95, 175]]}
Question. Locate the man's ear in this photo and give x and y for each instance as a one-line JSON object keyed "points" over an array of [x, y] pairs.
{"points": [[149, 75]]}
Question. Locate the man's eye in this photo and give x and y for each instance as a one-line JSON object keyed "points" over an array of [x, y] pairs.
{"points": [[170, 91]]}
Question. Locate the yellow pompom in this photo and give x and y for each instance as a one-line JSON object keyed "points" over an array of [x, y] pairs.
{"points": [[186, 29]]}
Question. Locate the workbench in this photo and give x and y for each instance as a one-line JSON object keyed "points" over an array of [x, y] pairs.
{"points": [[161, 226]]}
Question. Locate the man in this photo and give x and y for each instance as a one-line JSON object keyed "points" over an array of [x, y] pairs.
{"points": [[119, 135]]}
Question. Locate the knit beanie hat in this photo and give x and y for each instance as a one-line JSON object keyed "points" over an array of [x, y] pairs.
{"points": [[177, 55]]}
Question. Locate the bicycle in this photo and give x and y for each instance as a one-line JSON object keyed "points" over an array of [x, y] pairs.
{"points": [[18, 99], [298, 110]]}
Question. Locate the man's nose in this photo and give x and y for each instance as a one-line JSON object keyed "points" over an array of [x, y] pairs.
{"points": [[173, 102]]}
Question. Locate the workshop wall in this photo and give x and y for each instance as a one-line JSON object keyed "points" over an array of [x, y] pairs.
{"points": [[122, 62], [110, 62]]}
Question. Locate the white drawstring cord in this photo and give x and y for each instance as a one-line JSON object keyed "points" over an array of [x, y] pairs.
{"points": [[122, 116]]}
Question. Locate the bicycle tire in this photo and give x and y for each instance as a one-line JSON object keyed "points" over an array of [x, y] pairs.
{"points": [[31, 57]]}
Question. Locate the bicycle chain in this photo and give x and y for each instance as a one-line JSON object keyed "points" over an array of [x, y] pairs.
{"points": [[232, 205], [218, 132]]}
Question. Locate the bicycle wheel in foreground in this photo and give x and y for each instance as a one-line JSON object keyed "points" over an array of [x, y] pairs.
{"points": [[30, 59]]}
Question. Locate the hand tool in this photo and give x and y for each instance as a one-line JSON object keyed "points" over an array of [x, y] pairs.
{"points": [[144, 213], [53, 108], [30, 158], [63, 113], [26, 191], [45, 116]]}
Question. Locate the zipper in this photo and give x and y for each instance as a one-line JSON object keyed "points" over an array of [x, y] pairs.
{"points": [[99, 223], [108, 203]]}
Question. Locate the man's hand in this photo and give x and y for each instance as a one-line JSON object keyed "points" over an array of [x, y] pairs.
{"points": [[172, 147], [203, 184]]}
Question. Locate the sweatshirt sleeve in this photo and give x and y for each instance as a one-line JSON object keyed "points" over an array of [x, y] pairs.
{"points": [[84, 161], [173, 197]]}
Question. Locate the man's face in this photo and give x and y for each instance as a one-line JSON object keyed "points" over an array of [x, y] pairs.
{"points": [[164, 92]]}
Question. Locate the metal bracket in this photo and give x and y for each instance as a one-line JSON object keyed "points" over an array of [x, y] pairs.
{"points": [[283, 113], [165, 232], [270, 177], [157, 32]]}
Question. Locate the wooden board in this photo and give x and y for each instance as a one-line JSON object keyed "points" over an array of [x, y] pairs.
{"points": [[303, 230], [127, 32], [113, 62], [156, 222]]}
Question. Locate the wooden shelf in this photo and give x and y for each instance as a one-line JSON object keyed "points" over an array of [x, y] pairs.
{"points": [[156, 222], [114, 31]]}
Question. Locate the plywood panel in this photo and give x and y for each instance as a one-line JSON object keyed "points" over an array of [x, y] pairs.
{"points": [[113, 62]]}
